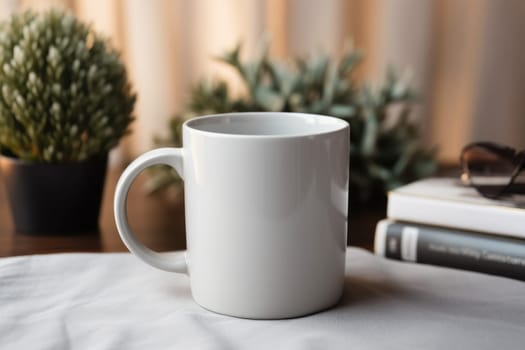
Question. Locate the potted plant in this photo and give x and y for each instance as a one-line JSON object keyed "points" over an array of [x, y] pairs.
{"points": [[385, 147], [65, 101]]}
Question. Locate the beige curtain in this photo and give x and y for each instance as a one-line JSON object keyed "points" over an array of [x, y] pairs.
{"points": [[466, 55]]}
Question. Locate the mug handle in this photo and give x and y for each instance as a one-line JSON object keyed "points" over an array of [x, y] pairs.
{"points": [[174, 262]]}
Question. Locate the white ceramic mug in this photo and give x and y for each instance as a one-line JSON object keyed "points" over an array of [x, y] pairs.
{"points": [[266, 197]]}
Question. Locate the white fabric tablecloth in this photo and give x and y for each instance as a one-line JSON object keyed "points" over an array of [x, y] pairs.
{"points": [[114, 301]]}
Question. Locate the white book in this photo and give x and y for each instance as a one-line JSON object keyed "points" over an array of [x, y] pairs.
{"points": [[447, 202]]}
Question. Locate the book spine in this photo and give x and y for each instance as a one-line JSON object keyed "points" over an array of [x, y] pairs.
{"points": [[497, 255]]}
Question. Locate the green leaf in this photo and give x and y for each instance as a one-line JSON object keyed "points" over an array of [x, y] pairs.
{"points": [[285, 79], [329, 86], [368, 145], [342, 111], [349, 62], [268, 99], [401, 86]]}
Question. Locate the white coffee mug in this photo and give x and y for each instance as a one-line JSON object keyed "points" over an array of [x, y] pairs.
{"points": [[266, 198]]}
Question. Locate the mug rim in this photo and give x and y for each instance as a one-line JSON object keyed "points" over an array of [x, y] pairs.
{"points": [[339, 124]]}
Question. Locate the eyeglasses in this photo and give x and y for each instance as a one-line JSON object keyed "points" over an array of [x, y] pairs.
{"points": [[493, 170]]}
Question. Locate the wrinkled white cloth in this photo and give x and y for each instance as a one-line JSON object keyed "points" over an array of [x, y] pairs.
{"points": [[114, 301]]}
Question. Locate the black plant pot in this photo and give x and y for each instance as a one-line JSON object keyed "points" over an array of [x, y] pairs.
{"points": [[54, 198]]}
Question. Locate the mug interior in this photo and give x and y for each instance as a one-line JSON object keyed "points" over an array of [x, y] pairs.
{"points": [[267, 124]]}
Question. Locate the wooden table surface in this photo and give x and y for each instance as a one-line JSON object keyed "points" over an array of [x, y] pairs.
{"points": [[158, 221]]}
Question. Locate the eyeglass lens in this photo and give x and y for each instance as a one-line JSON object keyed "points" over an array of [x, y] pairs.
{"points": [[488, 171]]}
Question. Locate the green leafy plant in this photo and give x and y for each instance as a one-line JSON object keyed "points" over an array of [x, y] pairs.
{"points": [[385, 149], [65, 94]]}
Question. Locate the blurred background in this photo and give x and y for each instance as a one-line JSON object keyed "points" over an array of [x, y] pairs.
{"points": [[466, 56]]}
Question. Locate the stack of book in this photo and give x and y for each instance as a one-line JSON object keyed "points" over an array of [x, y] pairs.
{"points": [[441, 221]]}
